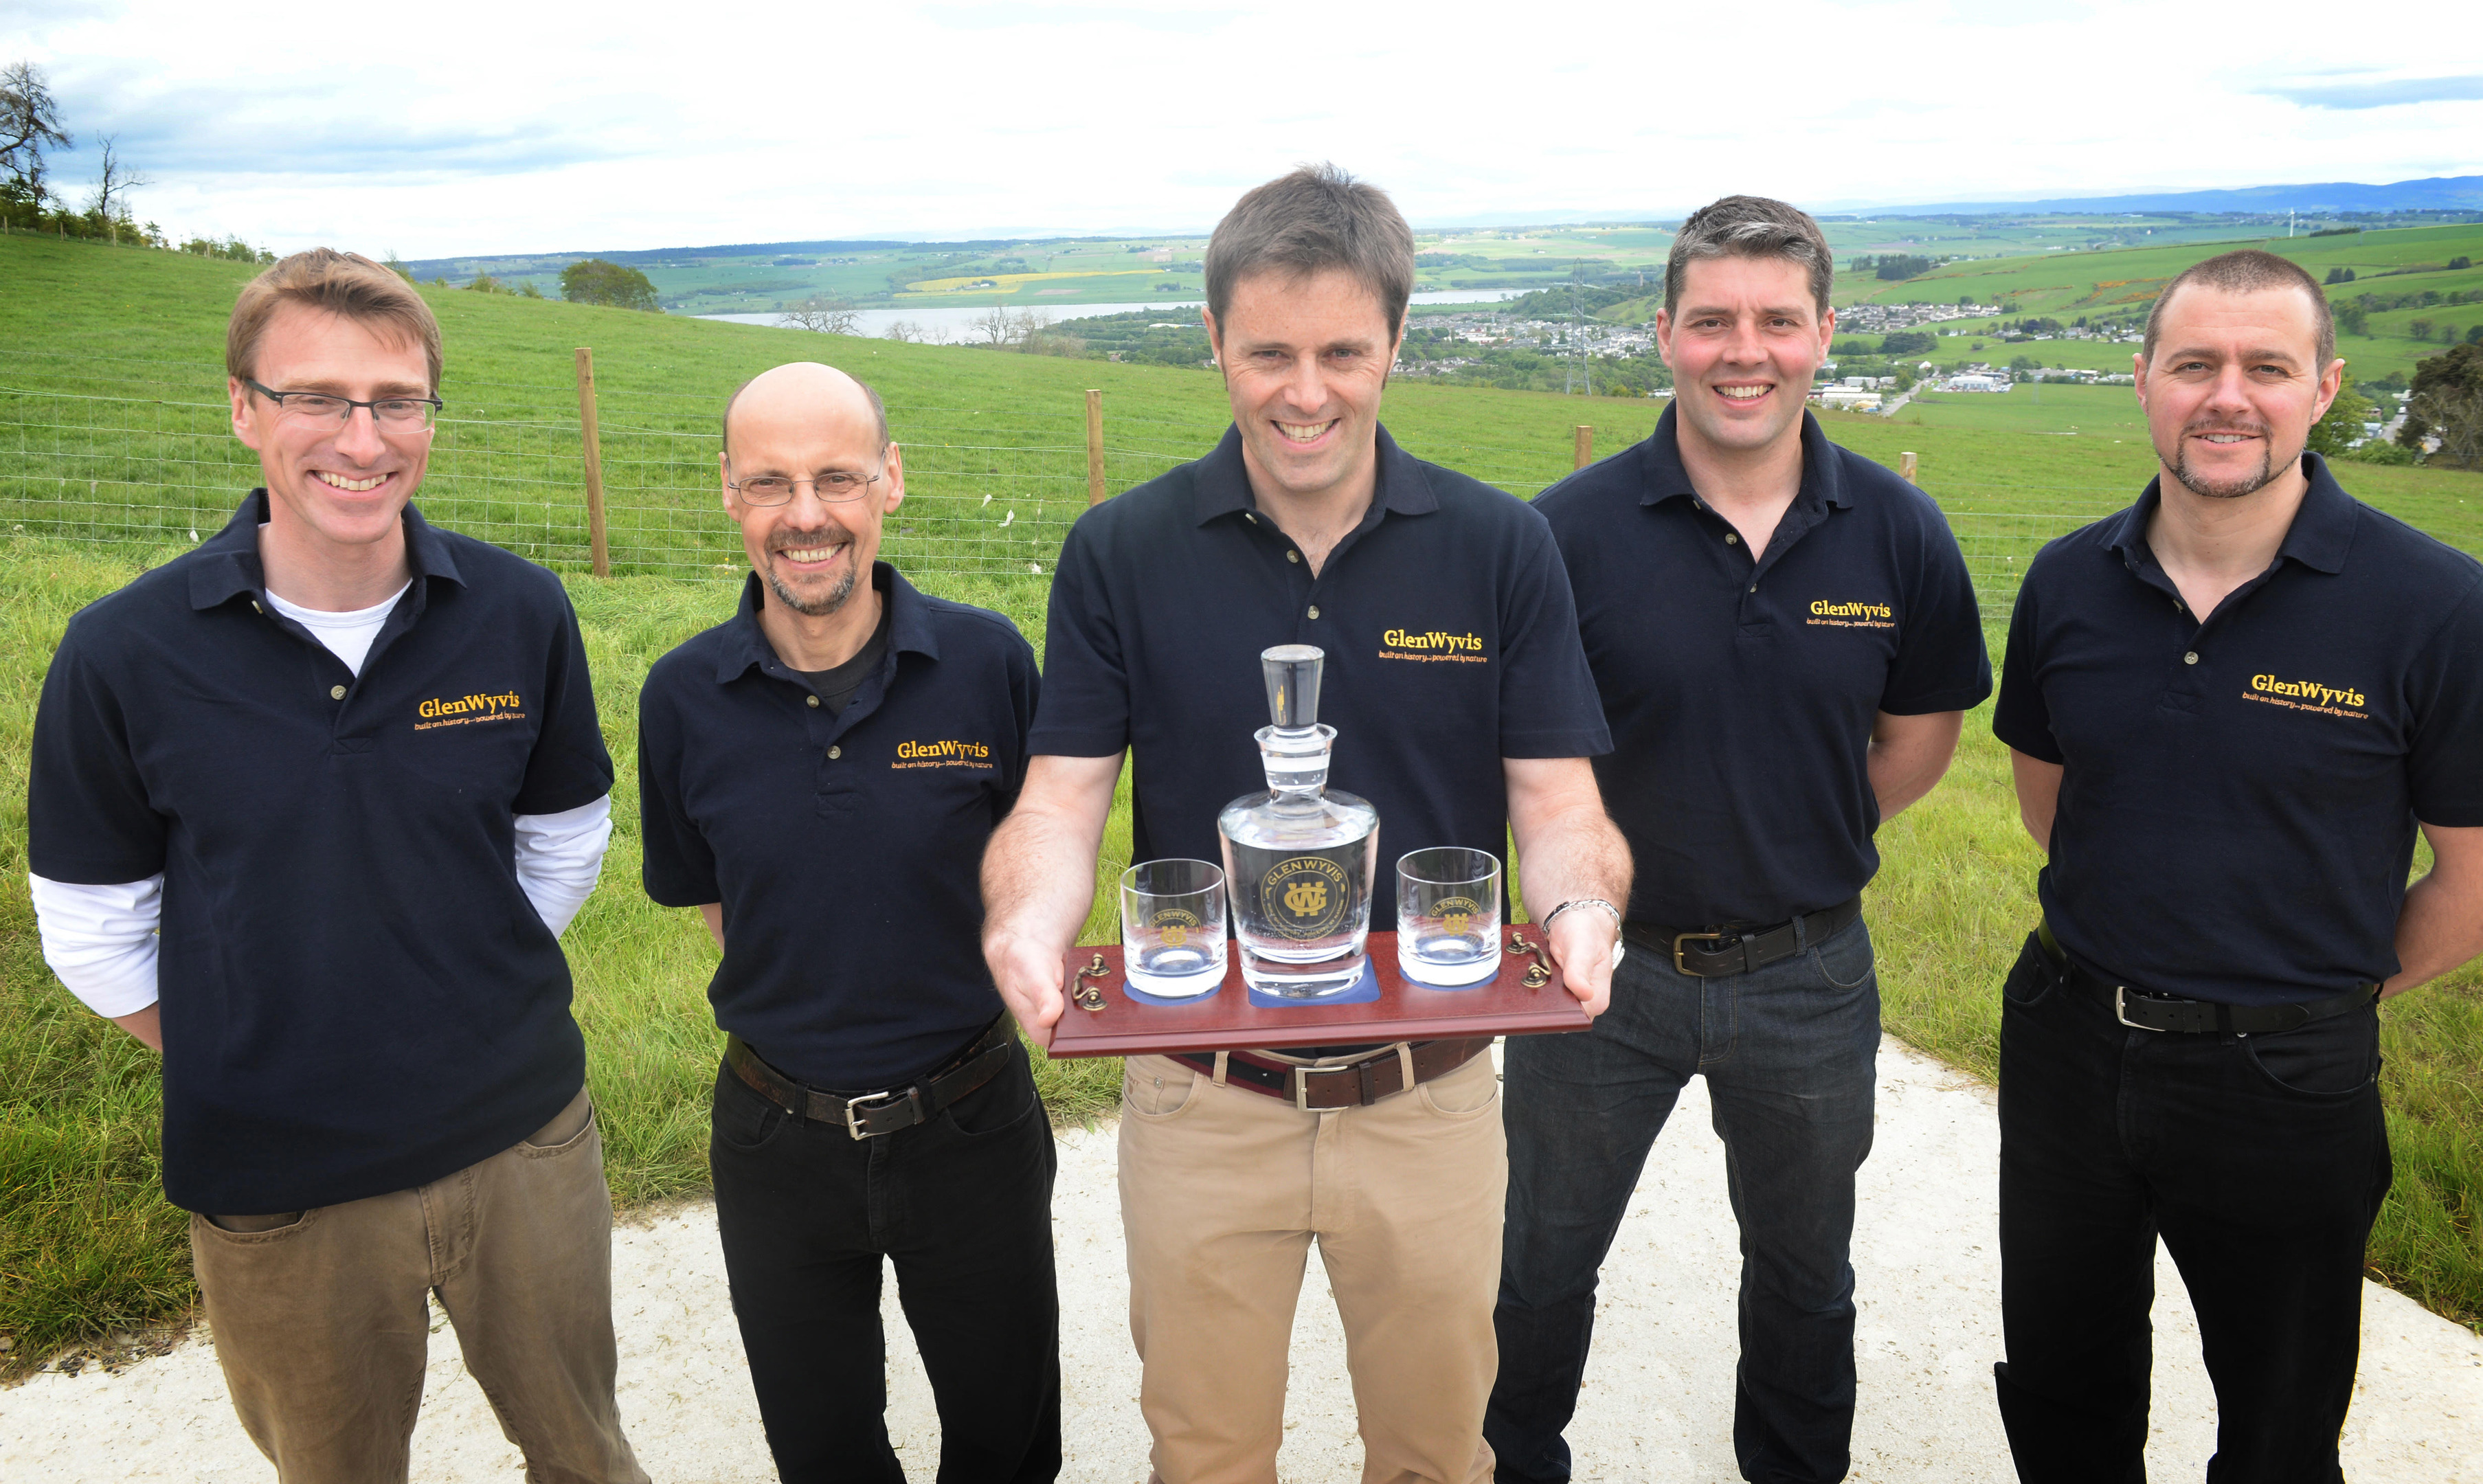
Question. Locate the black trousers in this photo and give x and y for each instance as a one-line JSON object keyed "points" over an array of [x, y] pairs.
{"points": [[2262, 1161], [962, 1205]]}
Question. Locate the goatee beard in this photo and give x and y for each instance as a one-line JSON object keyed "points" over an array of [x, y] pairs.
{"points": [[817, 607], [2234, 489]]}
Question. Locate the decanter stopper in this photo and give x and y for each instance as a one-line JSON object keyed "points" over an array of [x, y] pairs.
{"points": [[1292, 672]]}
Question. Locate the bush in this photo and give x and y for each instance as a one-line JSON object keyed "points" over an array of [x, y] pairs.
{"points": [[1909, 342], [2379, 451]]}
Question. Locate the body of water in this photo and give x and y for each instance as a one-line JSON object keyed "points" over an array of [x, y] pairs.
{"points": [[942, 324]]}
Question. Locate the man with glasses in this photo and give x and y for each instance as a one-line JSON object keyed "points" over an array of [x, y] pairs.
{"points": [[308, 810], [818, 777]]}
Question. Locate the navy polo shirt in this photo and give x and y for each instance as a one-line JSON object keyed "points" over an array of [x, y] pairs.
{"points": [[846, 847], [1450, 641], [357, 995], [1742, 695], [2238, 812]]}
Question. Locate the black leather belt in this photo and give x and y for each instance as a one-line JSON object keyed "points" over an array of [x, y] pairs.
{"points": [[2151, 1009], [1355, 1084], [1712, 953], [873, 1115]]}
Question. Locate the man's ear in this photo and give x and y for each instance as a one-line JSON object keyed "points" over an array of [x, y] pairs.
{"points": [[895, 462]]}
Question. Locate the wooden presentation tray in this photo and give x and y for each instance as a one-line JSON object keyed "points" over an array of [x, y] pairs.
{"points": [[1227, 1021]]}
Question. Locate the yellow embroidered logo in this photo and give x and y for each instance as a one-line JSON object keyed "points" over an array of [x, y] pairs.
{"points": [[1432, 645], [1825, 614], [945, 753], [2307, 696], [465, 710]]}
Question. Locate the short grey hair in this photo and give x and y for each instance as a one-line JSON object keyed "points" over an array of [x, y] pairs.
{"points": [[2252, 271], [1750, 227], [1314, 218], [871, 393]]}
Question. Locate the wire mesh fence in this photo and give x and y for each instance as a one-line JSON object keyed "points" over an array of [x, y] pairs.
{"points": [[141, 452]]}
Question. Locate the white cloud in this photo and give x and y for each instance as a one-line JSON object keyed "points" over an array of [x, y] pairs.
{"points": [[480, 129]]}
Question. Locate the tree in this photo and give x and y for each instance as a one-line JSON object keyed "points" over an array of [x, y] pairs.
{"points": [[2448, 397], [30, 120], [2341, 426], [1909, 342], [2418, 329], [594, 280], [109, 206], [2354, 319], [997, 325], [902, 331], [824, 315]]}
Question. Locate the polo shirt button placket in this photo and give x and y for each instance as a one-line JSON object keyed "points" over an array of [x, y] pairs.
{"points": [[1314, 610], [335, 693], [835, 753]]}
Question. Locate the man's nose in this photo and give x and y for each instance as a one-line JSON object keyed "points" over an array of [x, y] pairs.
{"points": [[358, 439]]}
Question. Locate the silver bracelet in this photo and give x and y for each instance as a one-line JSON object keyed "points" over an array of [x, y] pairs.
{"points": [[1554, 915]]}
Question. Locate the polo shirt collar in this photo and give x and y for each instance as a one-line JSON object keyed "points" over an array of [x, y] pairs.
{"points": [[1221, 483], [745, 644], [1822, 478], [227, 564], [2321, 533]]}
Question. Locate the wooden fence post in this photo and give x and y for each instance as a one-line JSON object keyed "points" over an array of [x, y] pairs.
{"points": [[1584, 453], [1906, 466], [1094, 445], [594, 445]]}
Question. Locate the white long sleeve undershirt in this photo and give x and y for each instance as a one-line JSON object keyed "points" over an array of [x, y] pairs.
{"points": [[101, 941]]}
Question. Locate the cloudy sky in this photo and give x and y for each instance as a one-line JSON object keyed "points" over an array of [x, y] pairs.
{"points": [[452, 128]]}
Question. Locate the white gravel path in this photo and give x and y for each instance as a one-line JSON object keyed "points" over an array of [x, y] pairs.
{"points": [[1659, 1394]]}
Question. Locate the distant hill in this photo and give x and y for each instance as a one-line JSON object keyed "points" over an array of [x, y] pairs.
{"points": [[2439, 192]]}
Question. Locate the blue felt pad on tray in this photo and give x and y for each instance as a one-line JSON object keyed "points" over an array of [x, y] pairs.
{"points": [[1365, 989]]}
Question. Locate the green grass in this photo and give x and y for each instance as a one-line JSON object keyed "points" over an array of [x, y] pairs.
{"points": [[86, 1241]]}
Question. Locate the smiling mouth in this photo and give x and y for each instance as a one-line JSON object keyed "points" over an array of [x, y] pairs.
{"points": [[1305, 431], [809, 554], [2226, 436], [1743, 393], [353, 486]]}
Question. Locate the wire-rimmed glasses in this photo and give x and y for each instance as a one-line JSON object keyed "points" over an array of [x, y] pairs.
{"points": [[834, 488]]}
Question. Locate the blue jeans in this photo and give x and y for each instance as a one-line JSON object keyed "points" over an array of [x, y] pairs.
{"points": [[1789, 1054]]}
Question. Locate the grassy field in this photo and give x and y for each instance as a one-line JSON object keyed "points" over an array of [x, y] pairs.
{"points": [[86, 1243]]}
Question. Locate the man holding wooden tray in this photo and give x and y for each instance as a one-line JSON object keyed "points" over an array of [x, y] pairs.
{"points": [[1308, 526]]}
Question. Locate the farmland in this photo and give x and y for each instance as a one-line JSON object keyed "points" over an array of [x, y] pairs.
{"points": [[112, 450]]}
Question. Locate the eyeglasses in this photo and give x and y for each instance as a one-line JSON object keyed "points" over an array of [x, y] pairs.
{"points": [[396, 414], [831, 488]]}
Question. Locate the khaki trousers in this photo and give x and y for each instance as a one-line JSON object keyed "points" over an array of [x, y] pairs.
{"points": [[1222, 1191], [321, 1324]]}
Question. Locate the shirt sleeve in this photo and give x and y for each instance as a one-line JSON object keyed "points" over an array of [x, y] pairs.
{"points": [[569, 768], [88, 818], [1941, 664], [679, 869], [1026, 694], [100, 940], [560, 856], [2445, 763], [1084, 706], [2022, 719], [1549, 706]]}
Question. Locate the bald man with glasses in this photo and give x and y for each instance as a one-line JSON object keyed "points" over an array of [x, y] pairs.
{"points": [[818, 777]]}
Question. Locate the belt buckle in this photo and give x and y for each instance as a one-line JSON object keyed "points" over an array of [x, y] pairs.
{"points": [[2121, 1010], [1678, 939], [854, 1126], [1303, 1083]]}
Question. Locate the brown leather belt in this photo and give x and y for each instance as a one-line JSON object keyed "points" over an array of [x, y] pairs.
{"points": [[1712, 953], [1354, 1084], [2153, 1010], [874, 1115]]}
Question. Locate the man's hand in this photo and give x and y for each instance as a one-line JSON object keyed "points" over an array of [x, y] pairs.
{"points": [[1582, 944], [1038, 881], [2441, 925], [147, 1024], [1568, 850]]}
